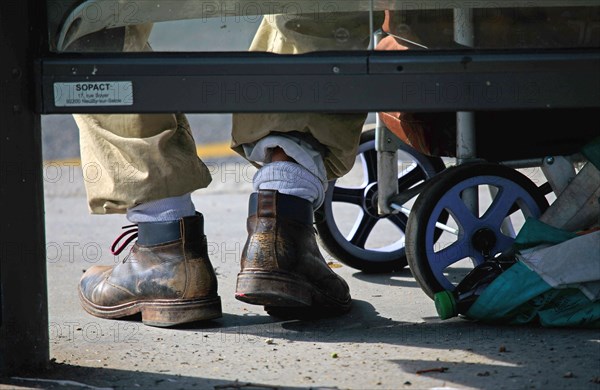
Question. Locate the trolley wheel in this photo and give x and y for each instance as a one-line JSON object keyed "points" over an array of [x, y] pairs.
{"points": [[512, 198], [365, 240]]}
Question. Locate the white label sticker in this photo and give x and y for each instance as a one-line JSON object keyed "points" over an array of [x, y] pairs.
{"points": [[97, 93]]}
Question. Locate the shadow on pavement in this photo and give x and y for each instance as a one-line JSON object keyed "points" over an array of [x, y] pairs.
{"points": [[65, 376], [455, 275], [310, 328], [388, 279]]}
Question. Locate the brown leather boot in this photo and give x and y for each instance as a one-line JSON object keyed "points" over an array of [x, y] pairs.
{"points": [[167, 277], [282, 266]]}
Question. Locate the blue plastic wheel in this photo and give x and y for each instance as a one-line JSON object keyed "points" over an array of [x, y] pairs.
{"points": [[438, 263]]}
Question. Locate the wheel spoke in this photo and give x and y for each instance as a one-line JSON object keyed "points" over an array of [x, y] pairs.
{"points": [[441, 260], [400, 220], [348, 195], [500, 208], [465, 219], [362, 229], [410, 179], [370, 165]]}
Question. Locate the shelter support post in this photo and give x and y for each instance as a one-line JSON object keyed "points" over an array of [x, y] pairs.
{"points": [[23, 293]]}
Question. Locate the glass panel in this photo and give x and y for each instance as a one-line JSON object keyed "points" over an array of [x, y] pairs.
{"points": [[298, 26], [286, 27], [282, 33], [496, 28]]}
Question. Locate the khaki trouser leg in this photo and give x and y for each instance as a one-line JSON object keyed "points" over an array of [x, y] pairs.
{"points": [[129, 159], [286, 34]]}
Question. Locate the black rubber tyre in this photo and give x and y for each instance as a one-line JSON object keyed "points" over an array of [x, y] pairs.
{"points": [[442, 196], [351, 251]]}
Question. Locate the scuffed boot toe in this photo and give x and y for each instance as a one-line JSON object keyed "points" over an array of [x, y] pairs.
{"points": [[168, 283]]}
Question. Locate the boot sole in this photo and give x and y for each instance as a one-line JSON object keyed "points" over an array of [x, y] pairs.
{"points": [[160, 313], [280, 290]]}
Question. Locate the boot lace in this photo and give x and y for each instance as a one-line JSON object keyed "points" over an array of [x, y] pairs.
{"points": [[131, 235]]}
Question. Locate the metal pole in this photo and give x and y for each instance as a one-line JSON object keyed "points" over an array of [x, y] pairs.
{"points": [[386, 145], [387, 169], [23, 299], [373, 40], [466, 145]]}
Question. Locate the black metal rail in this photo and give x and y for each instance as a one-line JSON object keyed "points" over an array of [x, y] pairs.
{"points": [[321, 82]]}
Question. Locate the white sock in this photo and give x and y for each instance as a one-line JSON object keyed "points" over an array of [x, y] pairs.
{"points": [[301, 151], [309, 183], [163, 210], [291, 179]]}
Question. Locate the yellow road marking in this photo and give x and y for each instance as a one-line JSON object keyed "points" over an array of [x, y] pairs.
{"points": [[67, 162], [217, 150]]}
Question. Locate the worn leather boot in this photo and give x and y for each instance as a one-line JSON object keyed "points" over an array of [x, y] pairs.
{"points": [[282, 266], [167, 277]]}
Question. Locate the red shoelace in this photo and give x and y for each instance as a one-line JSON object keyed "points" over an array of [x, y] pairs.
{"points": [[132, 233]]}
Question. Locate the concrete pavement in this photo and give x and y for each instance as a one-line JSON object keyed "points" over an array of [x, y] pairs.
{"points": [[391, 334]]}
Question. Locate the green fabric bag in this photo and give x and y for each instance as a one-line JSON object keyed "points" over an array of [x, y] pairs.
{"points": [[521, 296]]}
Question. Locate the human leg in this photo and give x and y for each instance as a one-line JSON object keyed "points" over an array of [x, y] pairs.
{"points": [[147, 166], [281, 263]]}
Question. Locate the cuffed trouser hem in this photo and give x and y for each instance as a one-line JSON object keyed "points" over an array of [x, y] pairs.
{"points": [[338, 133], [141, 158]]}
